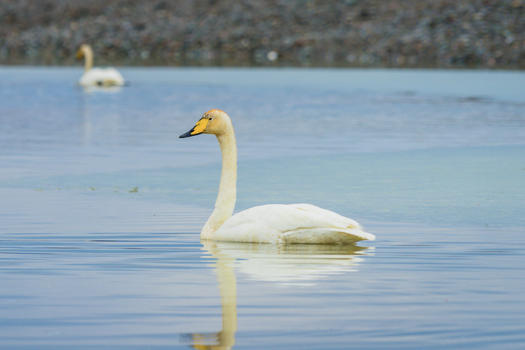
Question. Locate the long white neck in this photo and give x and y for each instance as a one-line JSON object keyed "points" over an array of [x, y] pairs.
{"points": [[225, 203], [88, 59]]}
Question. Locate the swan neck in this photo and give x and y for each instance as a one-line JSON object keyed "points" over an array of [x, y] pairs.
{"points": [[225, 202], [228, 186], [88, 59]]}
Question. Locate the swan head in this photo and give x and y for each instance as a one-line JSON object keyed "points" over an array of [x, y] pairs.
{"points": [[84, 50], [214, 121]]}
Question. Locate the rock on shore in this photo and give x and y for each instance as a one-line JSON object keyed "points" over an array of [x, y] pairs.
{"points": [[366, 33]]}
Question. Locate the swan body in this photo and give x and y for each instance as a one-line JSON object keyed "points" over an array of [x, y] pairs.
{"points": [[290, 223], [101, 77], [97, 76], [272, 223]]}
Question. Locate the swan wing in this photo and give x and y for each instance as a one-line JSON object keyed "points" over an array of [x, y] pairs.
{"points": [[102, 77], [292, 223]]}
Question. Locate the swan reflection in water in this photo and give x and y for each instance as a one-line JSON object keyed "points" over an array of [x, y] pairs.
{"points": [[299, 265], [101, 89]]}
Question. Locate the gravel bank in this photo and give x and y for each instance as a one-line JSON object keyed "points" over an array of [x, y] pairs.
{"points": [[371, 33]]}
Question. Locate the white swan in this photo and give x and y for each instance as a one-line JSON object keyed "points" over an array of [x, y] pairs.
{"points": [[272, 223], [97, 76]]}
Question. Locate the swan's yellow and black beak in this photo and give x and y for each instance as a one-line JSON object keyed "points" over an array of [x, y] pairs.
{"points": [[199, 128], [80, 54]]}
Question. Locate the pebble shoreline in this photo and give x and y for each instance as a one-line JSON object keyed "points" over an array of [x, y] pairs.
{"points": [[354, 33]]}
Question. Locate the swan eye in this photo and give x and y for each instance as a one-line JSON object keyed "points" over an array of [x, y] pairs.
{"points": [[210, 118]]}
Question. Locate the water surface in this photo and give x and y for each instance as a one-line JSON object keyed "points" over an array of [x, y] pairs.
{"points": [[102, 205]]}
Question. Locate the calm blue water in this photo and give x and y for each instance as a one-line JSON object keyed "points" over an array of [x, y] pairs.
{"points": [[101, 207]]}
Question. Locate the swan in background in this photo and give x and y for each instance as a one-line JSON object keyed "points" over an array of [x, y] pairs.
{"points": [[272, 223], [104, 77]]}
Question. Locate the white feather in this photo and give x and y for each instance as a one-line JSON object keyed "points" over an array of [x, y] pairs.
{"points": [[292, 223]]}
